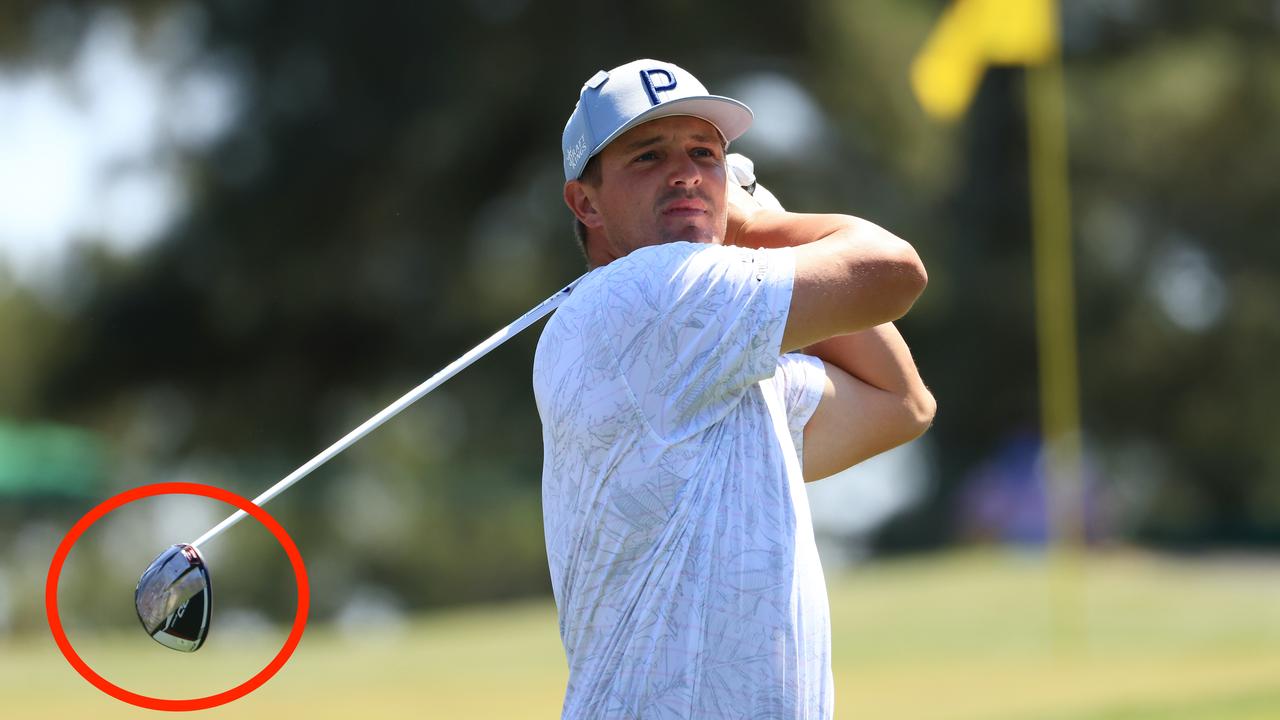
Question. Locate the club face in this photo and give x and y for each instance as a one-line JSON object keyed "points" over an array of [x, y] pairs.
{"points": [[174, 599]]}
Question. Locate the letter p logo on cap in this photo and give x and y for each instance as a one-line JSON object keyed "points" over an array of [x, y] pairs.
{"points": [[647, 77]]}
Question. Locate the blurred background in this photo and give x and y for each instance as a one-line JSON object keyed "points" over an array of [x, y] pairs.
{"points": [[230, 231]]}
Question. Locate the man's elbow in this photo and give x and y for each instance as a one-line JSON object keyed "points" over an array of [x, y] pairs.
{"points": [[899, 274], [907, 278], [921, 408]]}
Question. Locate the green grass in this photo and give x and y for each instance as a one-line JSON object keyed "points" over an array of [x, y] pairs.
{"points": [[958, 637]]}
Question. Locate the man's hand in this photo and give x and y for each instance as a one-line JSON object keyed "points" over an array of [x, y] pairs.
{"points": [[746, 196], [742, 207]]}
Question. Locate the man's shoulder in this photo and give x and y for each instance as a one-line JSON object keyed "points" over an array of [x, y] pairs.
{"points": [[676, 254], [646, 267], [654, 259], [643, 278], [662, 265]]}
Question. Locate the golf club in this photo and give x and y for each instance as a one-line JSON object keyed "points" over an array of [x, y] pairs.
{"points": [[174, 597]]}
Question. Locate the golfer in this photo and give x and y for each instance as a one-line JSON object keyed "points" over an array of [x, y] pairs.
{"points": [[718, 355]]}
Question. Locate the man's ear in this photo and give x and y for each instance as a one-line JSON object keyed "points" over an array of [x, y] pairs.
{"points": [[577, 196]]}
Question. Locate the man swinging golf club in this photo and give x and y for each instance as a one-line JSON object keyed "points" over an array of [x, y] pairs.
{"points": [[719, 354]]}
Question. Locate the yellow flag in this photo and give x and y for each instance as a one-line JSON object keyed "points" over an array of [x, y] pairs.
{"points": [[972, 34]]}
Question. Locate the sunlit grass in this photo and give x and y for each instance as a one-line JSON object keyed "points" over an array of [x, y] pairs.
{"points": [[959, 637]]}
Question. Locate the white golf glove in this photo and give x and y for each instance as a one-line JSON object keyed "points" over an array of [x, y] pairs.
{"points": [[743, 172]]}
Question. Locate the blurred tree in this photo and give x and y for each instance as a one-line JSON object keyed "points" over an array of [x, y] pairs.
{"points": [[389, 196], [390, 193]]}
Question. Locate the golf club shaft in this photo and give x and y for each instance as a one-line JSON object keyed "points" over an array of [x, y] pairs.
{"points": [[409, 398]]}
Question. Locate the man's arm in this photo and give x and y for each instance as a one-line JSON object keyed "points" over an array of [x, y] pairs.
{"points": [[874, 401], [874, 398], [850, 274]]}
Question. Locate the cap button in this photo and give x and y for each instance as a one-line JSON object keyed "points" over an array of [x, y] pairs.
{"points": [[598, 79]]}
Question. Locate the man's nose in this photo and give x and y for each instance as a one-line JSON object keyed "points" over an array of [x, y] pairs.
{"points": [[684, 172]]}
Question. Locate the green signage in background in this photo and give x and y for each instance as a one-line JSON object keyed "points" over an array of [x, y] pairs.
{"points": [[48, 459]]}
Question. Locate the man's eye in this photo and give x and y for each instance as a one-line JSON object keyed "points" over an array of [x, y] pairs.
{"points": [[651, 155], [703, 152]]}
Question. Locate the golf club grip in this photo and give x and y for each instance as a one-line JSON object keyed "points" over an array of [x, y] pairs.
{"points": [[409, 398]]}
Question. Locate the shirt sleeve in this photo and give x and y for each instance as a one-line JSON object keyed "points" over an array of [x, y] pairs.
{"points": [[693, 326], [801, 379]]}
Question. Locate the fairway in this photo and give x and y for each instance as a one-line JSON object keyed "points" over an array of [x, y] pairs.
{"points": [[979, 636]]}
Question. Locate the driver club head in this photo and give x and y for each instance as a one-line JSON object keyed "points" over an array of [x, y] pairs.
{"points": [[174, 599]]}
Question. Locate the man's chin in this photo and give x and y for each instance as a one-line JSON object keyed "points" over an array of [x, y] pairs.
{"points": [[691, 233]]}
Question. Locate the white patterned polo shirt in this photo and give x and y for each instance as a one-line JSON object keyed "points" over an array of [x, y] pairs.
{"points": [[678, 534]]}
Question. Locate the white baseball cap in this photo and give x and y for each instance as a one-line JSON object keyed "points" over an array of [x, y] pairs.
{"points": [[614, 101]]}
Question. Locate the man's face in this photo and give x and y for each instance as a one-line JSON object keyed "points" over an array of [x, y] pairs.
{"points": [[660, 182]]}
